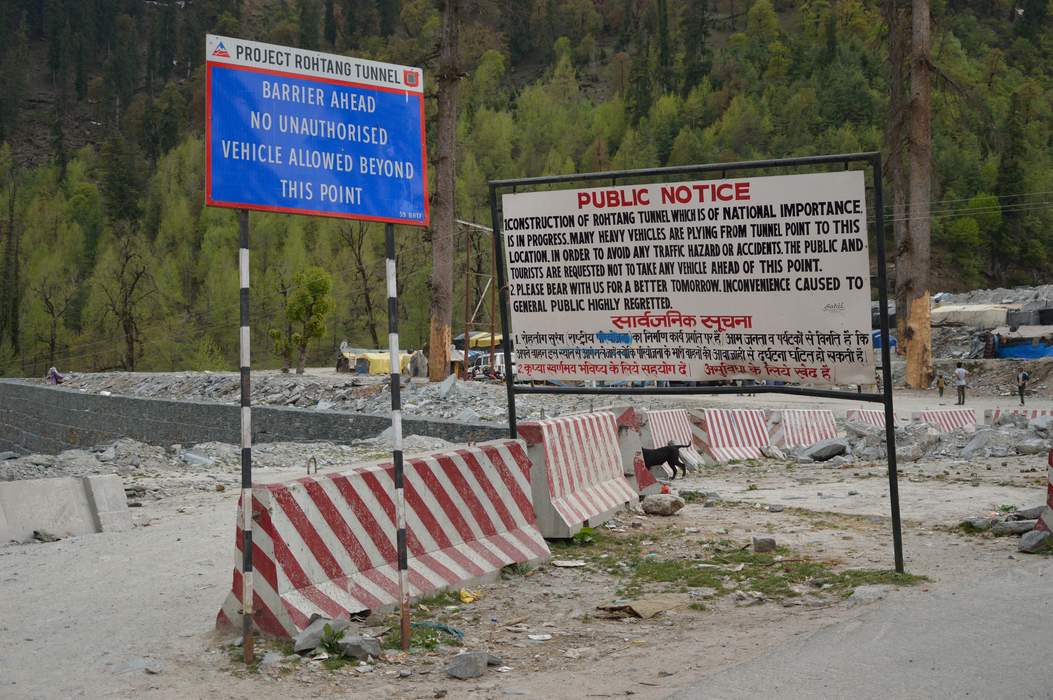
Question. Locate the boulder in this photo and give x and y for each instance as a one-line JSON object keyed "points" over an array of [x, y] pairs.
{"points": [[311, 636], [471, 664], [1013, 527], [1036, 541], [979, 444], [762, 545], [1041, 424], [661, 504], [361, 648], [1033, 446], [827, 449], [979, 524], [868, 594], [4, 456], [1027, 513]]}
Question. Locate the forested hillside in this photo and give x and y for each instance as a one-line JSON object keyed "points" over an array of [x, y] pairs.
{"points": [[109, 258]]}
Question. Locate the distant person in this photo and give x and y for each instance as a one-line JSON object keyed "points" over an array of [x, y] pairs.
{"points": [[941, 384], [1021, 384], [960, 374]]}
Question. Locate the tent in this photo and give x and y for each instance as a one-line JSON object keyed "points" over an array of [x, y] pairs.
{"points": [[478, 339], [379, 363]]}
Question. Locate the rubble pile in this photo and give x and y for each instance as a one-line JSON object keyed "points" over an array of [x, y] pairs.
{"points": [[154, 472], [1017, 295]]}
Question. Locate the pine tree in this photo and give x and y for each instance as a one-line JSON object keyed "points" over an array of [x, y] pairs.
{"points": [[694, 39]]}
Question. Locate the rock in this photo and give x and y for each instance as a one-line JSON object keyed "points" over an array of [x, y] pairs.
{"points": [[1035, 541], [662, 504], [977, 444], [822, 451], [1027, 513], [448, 387], [979, 524], [7, 455], [1013, 527], [868, 594], [107, 455], [311, 636], [762, 545], [772, 452], [361, 648], [271, 658], [44, 536], [195, 460], [471, 664], [468, 416], [776, 508], [1041, 424], [838, 461], [1033, 446]]}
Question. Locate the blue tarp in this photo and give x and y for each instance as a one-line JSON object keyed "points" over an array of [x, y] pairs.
{"points": [[876, 335], [1023, 351]]}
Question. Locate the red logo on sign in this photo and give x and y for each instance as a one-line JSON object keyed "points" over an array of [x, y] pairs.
{"points": [[410, 77], [221, 51]]}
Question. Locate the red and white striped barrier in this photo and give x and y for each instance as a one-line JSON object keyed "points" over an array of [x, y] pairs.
{"points": [[577, 475], [992, 415], [947, 419], [726, 434], [1045, 521], [326, 544], [800, 428], [674, 426], [629, 443], [869, 416]]}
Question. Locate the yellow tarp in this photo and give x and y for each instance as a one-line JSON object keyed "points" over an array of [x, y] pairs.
{"points": [[380, 362]]}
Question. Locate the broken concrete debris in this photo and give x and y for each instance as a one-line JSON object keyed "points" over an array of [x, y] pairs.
{"points": [[1036, 541], [826, 449], [471, 664], [661, 504], [359, 647], [311, 636], [762, 545]]}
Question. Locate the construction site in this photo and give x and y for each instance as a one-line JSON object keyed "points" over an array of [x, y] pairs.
{"points": [[640, 383]]}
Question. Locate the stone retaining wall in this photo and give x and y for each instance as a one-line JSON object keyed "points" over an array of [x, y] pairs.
{"points": [[46, 419]]}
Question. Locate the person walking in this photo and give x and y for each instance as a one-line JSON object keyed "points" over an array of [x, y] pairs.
{"points": [[1021, 384], [960, 373], [941, 384]]}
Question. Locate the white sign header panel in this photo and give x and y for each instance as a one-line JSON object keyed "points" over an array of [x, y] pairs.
{"points": [[763, 278]]}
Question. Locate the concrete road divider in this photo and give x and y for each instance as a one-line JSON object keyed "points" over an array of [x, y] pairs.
{"points": [[577, 476], [800, 428], [727, 434], [62, 507], [869, 416], [673, 426], [993, 415], [326, 544], [629, 443], [946, 419]]}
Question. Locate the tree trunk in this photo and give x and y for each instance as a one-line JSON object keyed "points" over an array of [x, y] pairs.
{"points": [[895, 142], [915, 265], [302, 360], [445, 196], [356, 239]]}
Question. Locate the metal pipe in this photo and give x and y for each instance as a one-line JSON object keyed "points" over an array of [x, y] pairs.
{"points": [[886, 368], [502, 290], [246, 438], [396, 435], [467, 301]]}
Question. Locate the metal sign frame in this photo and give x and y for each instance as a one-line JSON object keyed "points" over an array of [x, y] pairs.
{"points": [[615, 178], [414, 80]]}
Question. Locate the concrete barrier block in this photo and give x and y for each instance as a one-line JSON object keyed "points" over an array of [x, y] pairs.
{"points": [[108, 503]]}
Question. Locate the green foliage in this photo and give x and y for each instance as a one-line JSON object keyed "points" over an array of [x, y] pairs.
{"points": [[550, 86], [308, 306], [330, 641]]}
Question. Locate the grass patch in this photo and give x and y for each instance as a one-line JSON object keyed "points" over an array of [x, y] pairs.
{"points": [[701, 607], [335, 663], [693, 496], [421, 638]]}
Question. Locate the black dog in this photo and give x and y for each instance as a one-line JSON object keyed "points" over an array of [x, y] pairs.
{"points": [[670, 455]]}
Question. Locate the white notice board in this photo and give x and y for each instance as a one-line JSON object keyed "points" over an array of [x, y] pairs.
{"points": [[764, 278]]}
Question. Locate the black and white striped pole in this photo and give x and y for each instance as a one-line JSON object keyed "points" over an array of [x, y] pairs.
{"points": [[246, 440], [396, 436]]}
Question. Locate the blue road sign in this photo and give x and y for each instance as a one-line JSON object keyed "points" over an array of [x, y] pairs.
{"points": [[301, 132]]}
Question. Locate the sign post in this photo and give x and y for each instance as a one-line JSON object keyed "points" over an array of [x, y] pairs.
{"points": [[687, 283], [302, 132]]}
